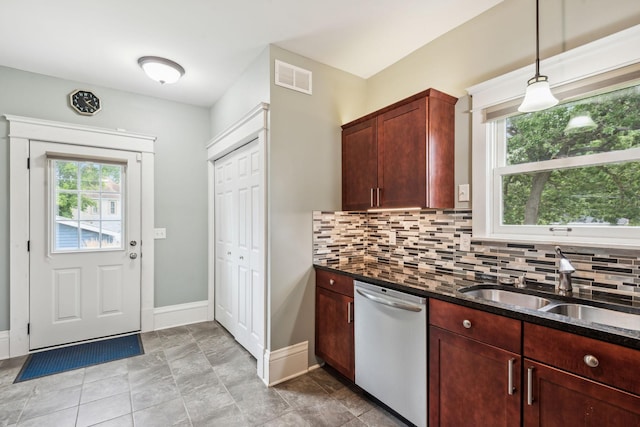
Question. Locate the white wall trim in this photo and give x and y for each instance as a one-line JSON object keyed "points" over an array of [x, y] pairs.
{"points": [[21, 131], [180, 314], [286, 363], [4, 345]]}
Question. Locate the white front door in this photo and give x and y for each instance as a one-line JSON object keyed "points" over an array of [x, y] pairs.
{"points": [[239, 253], [84, 243]]}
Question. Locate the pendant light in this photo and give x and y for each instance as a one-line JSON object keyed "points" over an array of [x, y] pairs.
{"points": [[161, 69], [581, 122], [538, 95]]}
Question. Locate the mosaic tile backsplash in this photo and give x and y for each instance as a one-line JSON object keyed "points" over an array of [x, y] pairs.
{"points": [[429, 241]]}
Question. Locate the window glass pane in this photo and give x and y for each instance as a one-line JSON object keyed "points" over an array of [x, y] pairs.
{"points": [[593, 195], [89, 176], [602, 123], [66, 175], [89, 217]]}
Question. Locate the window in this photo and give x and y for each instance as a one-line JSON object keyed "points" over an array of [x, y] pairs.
{"points": [[79, 190], [568, 174]]}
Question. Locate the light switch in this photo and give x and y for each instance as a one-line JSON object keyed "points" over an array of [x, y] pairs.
{"points": [[463, 192], [465, 242], [159, 233]]}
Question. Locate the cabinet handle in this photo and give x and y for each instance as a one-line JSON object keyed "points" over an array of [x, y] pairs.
{"points": [[591, 361], [378, 189], [331, 282], [466, 323], [530, 385], [510, 386], [372, 197], [349, 317]]}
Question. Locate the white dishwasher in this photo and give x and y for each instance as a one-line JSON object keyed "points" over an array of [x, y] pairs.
{"points": [[391, 349]]}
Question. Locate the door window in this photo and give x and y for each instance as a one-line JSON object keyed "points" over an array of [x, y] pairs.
{"points": [[87, 205]]}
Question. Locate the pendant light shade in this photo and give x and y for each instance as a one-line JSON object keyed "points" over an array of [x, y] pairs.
{"points": [[538, 95], [580, 123], [161, 69]]}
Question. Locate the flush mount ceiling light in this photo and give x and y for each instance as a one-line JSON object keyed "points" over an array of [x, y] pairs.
{"points": [[161, 69], [538, 95]]}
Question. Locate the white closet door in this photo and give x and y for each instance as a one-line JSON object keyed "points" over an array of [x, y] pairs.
{"points": [[240, 260], [225, 240]]}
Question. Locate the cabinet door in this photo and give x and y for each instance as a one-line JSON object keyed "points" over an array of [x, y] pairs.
{"points": [[334, 331], [469, 382], [359, 166], [562, 399], [402, 155]]}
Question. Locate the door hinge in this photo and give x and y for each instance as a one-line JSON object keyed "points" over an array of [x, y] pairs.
{"points": [[28, 328], [28, 162], [28, 245]]}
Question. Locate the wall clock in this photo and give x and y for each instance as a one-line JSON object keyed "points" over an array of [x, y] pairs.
{"points": [[84, 102]]}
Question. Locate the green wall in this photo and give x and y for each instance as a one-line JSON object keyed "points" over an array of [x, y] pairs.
{"points": [[180, 173]]}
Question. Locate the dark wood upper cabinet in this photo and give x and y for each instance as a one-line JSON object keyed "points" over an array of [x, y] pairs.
{"points": [[401, 156]]}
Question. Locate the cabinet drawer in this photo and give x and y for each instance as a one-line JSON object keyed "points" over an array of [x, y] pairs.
{"points": [[617, 366], [335, 282], [475, 324]]}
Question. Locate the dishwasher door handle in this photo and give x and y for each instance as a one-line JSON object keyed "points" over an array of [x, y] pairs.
{"points": [[394, 304]]}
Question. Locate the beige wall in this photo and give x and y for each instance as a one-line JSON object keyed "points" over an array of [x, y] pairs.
{"points": [[498, 41], [304, 175]]}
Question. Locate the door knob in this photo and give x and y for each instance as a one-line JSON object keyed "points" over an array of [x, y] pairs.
{"points": [[133, 255], [133, 243]]}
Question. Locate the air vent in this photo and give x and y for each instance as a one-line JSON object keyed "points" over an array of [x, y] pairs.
{"points": [[293, 77]]}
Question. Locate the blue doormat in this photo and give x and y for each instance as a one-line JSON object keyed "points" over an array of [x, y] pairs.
{"points": [[79, 356]]}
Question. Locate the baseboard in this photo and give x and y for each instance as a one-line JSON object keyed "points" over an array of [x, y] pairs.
{"points": [[286, 363], [180, 314], [4, 345]]}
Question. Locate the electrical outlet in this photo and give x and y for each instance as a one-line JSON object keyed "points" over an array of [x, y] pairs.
{"points": [[465, 242], [463, 192], [159, 233], [392, 237]]}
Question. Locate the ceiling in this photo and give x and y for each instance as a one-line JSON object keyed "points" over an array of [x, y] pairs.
{"points": [[99, 41]]}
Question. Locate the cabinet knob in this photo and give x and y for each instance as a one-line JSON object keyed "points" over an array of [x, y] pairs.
{"points": [[591, 361], [466, 323], [331, 282]]}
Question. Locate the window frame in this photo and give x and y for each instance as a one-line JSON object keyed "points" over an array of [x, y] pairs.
{"points": [[501, 95]]}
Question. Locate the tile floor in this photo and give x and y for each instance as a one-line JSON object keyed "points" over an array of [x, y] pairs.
{"points": [[194, 375]]}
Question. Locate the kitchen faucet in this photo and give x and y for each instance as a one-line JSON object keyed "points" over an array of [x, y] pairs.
{"points": [[564, 273]]}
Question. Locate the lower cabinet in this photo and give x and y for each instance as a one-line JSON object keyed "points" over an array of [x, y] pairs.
{"points": [[558, 398], [481, 375], [334, 322], [579, 381], [471, 381]]}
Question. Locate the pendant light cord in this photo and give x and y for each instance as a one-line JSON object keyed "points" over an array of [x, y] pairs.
{"points": [[537, 39]]}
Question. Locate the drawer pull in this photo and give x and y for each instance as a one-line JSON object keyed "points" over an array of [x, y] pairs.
{"points": [[466, 323], [510, 386], [331, 282], [591, 361], [349, 312]]}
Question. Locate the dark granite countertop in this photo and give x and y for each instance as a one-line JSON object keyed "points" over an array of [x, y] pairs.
{"points": [[447, 288]]}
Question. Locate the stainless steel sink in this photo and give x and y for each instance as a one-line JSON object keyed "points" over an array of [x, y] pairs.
{"points": [[509, 297], [599, 315]]}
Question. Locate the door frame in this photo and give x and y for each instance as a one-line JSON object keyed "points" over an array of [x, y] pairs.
{"points": [[254, 125], [21, 131]]}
